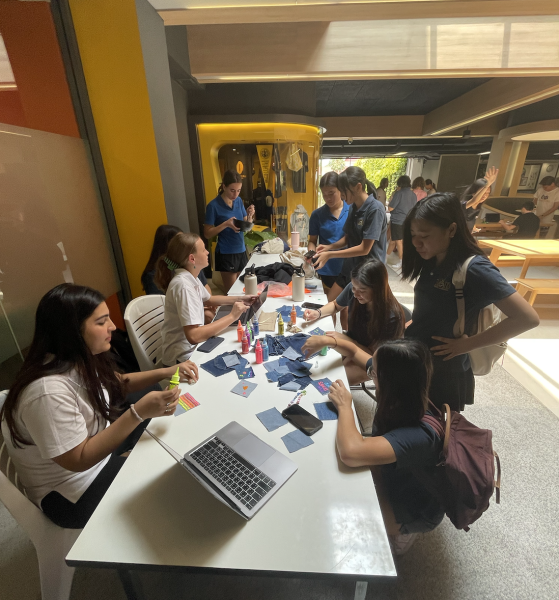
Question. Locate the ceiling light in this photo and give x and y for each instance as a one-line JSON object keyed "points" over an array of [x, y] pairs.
{"points": [[482, 153], [399, 154]]}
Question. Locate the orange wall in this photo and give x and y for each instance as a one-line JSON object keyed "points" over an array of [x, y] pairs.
{"points": [[30, 38]]}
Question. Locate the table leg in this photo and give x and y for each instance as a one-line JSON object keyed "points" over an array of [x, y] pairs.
{"points": [[131, 584], [360, 590], [494, 256], [525, 268]]}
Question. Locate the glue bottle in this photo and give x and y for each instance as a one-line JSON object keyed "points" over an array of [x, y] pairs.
{"points": [[265, 351], [293, 315], [281, 329], [246, 345], [175, 380], [240, 332], [255, 326], [258, 352]]}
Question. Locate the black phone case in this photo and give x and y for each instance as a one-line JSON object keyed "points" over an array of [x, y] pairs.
{"points": [[210, 344], [293, 418]]}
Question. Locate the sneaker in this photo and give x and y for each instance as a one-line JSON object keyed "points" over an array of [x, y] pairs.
{"points": [[401, 543]]}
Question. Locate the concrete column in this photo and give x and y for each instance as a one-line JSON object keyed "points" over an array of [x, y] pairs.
{"points": [[158, 79]]}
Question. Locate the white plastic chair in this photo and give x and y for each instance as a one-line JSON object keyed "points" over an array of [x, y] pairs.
{"points": [[144, 318], [52, 543]]}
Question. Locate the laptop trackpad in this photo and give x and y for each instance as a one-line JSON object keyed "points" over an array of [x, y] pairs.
{"points": [[253, 450]]}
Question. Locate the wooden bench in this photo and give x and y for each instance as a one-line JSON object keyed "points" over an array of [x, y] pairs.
{"points": [[537, 286]]}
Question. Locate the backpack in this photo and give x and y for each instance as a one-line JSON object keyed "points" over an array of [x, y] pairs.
{"points": [[464, 480], [482, 359]]}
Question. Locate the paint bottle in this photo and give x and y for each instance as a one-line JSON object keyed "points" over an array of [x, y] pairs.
{"points": [[265, 351], [250, 333], [175, 380], [246, 345], [255, 326], [281, 328], [293, 315], [258, 352], [240, 332], [247, 334], [324, 351]]}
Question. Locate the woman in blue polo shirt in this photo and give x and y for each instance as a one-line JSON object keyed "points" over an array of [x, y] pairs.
{"points": [[221, 212], [327, 226], [436, 243]]}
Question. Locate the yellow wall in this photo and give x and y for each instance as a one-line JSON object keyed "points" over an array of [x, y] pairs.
{"points": [[111, 54], [212, 136]]}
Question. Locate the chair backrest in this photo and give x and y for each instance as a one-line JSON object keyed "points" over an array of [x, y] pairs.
{"points": [[144, 318]]}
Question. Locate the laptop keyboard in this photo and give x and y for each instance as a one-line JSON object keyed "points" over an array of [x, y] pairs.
{"points": [[233, 472]]}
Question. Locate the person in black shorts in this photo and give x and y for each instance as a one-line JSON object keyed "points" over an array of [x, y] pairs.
{"points": [[525, 227], [221, 212]]}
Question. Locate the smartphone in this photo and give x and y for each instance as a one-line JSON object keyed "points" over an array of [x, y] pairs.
{"points": [[311, 305], [310, 254], [302, 419]]}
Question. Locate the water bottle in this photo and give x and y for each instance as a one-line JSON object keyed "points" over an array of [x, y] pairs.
{"points": [[251, 282], [298, 285]]}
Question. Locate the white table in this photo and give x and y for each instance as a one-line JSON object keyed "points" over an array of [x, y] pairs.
{"points": [[325, 521]]}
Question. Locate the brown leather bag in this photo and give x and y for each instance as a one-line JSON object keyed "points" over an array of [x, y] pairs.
{"points": [[464, 480]]}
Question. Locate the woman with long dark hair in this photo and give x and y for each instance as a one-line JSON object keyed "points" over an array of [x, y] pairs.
{"points": [[375, 316], [55, 418], [436, 243], [221, 213], [403, 445], [381, 190], [475, 195], [364, 230]]}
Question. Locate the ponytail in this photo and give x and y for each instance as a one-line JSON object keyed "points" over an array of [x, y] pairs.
{"points": [[229, 177], [352, 176], [176, 257]]}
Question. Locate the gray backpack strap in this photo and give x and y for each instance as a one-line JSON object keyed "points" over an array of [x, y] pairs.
{"points": [[459, 280]]}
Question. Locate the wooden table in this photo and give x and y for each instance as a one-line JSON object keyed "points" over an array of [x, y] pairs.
{"points": [[537, 286], [525, 253]]}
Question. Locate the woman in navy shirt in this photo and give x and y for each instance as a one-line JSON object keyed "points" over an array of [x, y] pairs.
{"points": [[327, 226], [403, 446], [436, 243], [221, 212]]}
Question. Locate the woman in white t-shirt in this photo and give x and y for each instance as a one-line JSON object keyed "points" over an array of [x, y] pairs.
{"points": [[547, 200], [56, 416], [176, 273]]}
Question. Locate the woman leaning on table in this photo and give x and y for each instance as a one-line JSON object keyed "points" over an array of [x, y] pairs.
{"points": [[183, 324], [436, 243], [375, 316], [402, 445], [56, 416], [221, 212]]}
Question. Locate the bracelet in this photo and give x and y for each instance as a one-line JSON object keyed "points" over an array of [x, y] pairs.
{"points": [[319, 313], [328, 335], [135, 413]]}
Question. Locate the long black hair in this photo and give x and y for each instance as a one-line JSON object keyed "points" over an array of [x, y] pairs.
{"points": [[163, 235], [404, 368], [473, 189], [440, 210], [351, 177], [58, 347], [382, 326], [329, 179]]}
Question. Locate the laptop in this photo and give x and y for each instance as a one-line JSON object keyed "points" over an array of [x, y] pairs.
{"points": [[246, 316], [236, 467]]}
